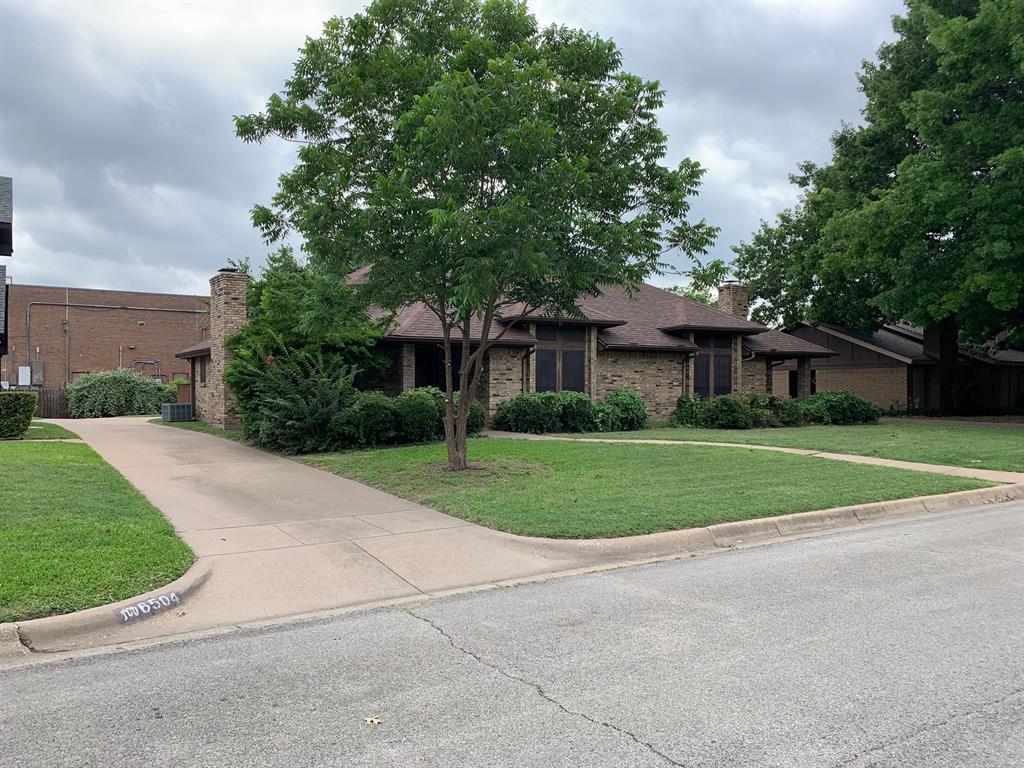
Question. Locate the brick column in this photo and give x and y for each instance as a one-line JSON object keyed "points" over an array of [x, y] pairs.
{"points": [[227, 316], [591, 364], [408, 367], [737, 364], [803, 378]]}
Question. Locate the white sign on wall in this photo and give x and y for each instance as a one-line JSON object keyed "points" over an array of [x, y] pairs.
{"points": [[24, 376]]}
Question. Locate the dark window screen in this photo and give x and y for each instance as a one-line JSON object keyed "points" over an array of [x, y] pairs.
{"points": [[572, 333], [701, 375], [723, 374], [572, 370], [546, 365], [547, 332], [202, 370]]}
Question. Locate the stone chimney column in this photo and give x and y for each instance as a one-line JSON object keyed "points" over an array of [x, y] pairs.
{"points": [[227, 316], [734, 298]]}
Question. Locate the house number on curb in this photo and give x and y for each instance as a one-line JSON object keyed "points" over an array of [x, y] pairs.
{"points": [[149, 607]]}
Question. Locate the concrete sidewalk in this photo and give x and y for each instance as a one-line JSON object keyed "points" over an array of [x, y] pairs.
{"points": [[991, 475]]}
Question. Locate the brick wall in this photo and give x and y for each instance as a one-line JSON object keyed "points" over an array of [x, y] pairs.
{"points": [[656, 376], [754, 377], [203, 406], [504, 375], [138, 327], [227, 316], [883, 386]]}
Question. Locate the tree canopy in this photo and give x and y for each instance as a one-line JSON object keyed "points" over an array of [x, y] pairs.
{"points": [[481, 164], [919, 216]]}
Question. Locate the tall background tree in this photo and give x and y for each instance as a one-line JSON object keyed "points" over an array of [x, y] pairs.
{"points": [[919, 217], [483, 166]]}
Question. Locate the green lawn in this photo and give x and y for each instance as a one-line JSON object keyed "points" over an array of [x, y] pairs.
{"points": [[74, 533], [587, 490], [199, 426], [987, 447], [44, 430]]}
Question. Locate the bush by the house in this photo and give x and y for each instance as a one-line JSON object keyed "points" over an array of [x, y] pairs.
{"points": [[540, 412], [842, 407], [630, 408], [117, 393], [16, 409], [746, 411], [303, 402], [419, 414], [377, 418]]}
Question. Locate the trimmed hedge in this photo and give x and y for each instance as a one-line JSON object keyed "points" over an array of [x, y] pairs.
{"points": [[746, 411], [842, 407], [117, 393], [540, 412], [16, 410]]}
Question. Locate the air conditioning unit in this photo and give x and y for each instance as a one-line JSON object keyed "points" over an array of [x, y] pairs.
{"points": [[176, 411]]}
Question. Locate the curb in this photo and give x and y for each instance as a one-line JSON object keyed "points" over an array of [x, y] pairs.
{"points": [[102, 621], [46, 636]]}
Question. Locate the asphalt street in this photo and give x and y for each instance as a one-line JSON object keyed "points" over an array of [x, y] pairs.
{"points": [[894, 645]]}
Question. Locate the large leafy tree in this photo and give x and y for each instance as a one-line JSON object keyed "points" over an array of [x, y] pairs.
{"points": [[920, 214], [483, 166]]}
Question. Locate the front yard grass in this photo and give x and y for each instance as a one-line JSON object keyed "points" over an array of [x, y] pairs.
{"points": [[563, 489], [75, 534], [44, 430], [995, 447]]}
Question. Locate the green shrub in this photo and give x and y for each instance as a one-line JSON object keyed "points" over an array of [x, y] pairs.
{"points": [[727, 412], [540, 412], [790, 413], [630, 407], [607, 418], [689, 411], [117, 393], [377, 418], [575, 412], [533, 412], [303, 402], [842, 407], [420, 413], [16, 409]]}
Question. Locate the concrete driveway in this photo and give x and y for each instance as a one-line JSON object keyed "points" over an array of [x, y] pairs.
{"points": [[284, 538]]}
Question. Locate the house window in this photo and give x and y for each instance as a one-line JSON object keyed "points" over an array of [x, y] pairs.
{"points": [[712, 367], [430, 366], [202, 369], [561, 358]]}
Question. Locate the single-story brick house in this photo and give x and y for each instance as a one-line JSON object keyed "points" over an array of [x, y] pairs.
{"points": [[894, 366], [654, 342]]}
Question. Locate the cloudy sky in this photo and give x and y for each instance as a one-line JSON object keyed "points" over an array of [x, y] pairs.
{"points": [[116, 117]]}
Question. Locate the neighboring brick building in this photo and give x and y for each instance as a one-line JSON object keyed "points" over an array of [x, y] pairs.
{"points": [[891, 367], [59, 333]]}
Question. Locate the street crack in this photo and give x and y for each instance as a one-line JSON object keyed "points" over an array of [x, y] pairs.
{"points": [[899, 740], [539, 689]]}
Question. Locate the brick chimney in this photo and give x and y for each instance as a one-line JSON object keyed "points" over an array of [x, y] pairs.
{"points": [[227, 316], [734, 299]]}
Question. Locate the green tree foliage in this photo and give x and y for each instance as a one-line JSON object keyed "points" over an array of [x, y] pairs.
{"points": [[483, 166], [920, 214], [294, 307], [703, 280]]}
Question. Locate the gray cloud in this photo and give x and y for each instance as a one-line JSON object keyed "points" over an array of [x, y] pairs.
{"points": [[117, 126]]}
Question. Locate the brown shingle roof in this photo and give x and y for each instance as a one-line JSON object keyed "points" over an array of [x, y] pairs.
{"points": [[199, 349], [782, 345]]}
